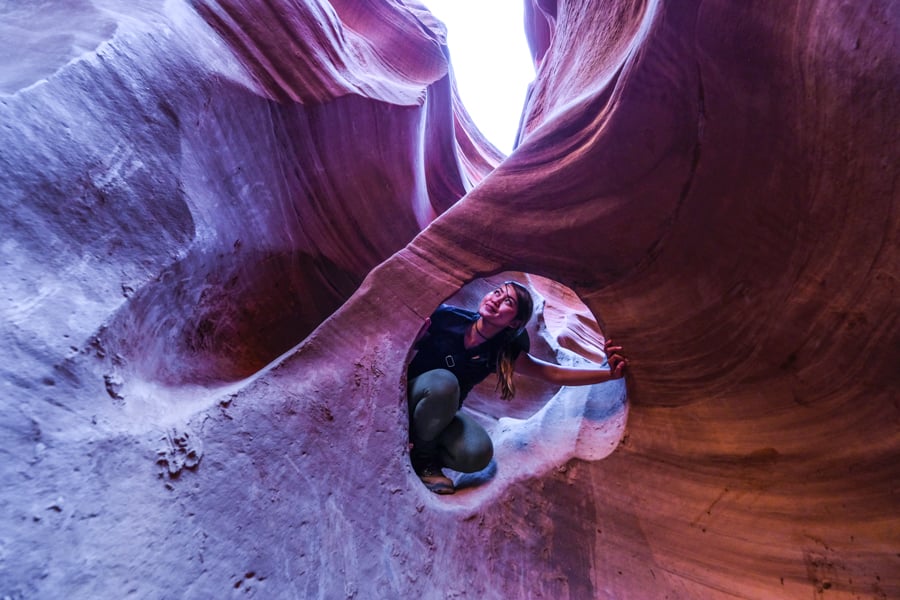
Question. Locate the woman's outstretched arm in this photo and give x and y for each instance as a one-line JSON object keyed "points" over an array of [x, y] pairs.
{"points": [[530, 366]]}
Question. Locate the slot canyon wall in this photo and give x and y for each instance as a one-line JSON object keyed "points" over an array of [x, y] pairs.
{"points": [[224, 221]]}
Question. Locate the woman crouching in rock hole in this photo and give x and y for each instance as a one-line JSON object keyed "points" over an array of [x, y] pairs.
{"points": [[458, 349]]}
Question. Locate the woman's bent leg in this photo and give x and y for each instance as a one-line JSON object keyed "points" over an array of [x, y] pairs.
{"points": [[464, 445], [433, 402]]}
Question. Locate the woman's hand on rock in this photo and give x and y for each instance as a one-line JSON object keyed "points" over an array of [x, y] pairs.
{"points": [[617, 362]]}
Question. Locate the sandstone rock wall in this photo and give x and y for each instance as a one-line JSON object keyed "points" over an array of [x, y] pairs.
{"points": [[225, 220]]}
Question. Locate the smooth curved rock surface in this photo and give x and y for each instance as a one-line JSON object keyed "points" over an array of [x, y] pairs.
{"points": [[225, 220]]}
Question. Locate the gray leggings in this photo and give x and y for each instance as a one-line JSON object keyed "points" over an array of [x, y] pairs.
{"points": [[438, 427]]}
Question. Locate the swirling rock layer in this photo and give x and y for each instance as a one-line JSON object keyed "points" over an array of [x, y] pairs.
{"points": [[225, 220]]}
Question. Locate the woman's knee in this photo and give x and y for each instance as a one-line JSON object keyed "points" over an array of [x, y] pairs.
{"points": [[466, 445], [476, 456], [442, 382], [439, 385]]}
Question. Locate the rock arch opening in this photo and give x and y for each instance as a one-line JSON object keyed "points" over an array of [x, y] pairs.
{"points": [[545, 425]]}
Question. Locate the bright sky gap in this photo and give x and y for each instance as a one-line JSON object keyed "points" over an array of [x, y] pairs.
{"points": [[491, 62]]}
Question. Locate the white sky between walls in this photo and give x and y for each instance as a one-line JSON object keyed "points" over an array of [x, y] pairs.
{"points": [[491, 62]]}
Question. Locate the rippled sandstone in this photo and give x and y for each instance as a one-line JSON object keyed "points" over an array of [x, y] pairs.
{"points": [[224, 222]]}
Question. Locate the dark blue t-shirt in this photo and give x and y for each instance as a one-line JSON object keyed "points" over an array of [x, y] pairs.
{"points": [[443, 348]]}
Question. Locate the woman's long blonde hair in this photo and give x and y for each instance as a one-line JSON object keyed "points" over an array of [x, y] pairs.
{"points": [[506, 361]]}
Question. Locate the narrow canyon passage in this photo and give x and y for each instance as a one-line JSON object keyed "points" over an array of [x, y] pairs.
{"points": [[224, 222]]}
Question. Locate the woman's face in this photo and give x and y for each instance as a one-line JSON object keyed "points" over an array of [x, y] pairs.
{"points": [[499, 307]]}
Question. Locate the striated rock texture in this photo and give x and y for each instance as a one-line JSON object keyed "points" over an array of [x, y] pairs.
{"points": [[224, 221]]}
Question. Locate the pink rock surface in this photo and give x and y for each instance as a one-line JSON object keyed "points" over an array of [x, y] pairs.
{"points": [[224, 222]]}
